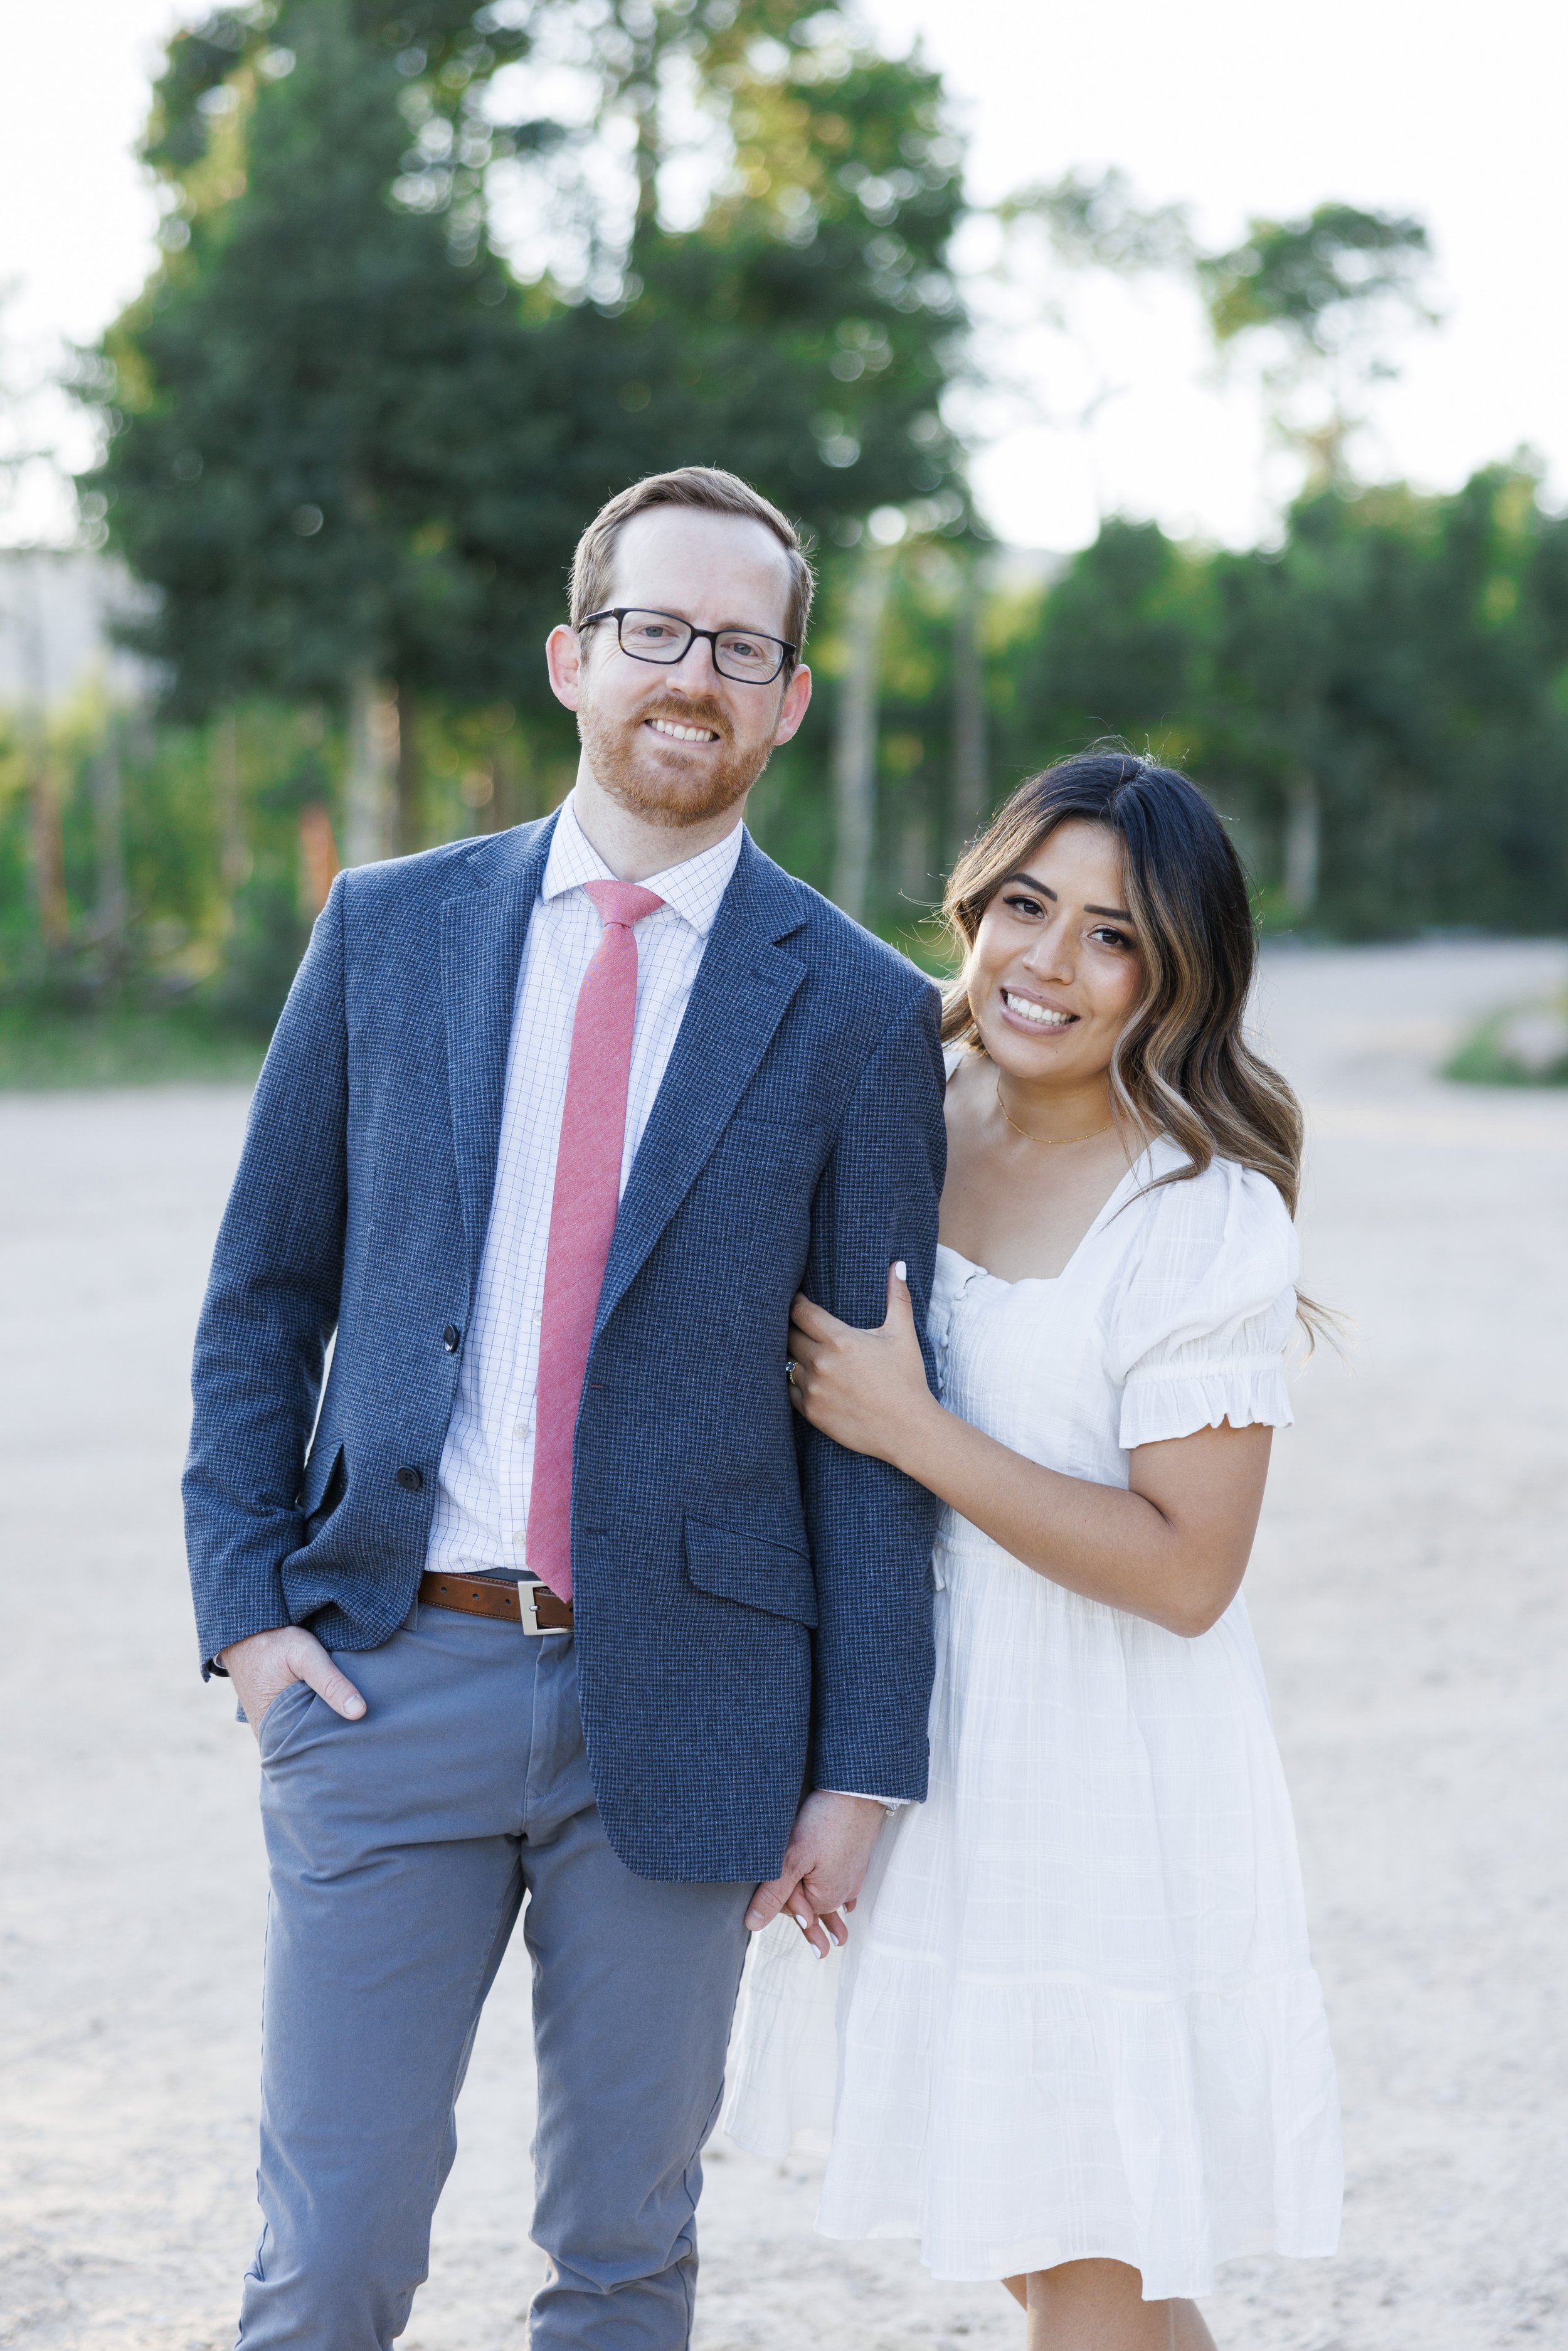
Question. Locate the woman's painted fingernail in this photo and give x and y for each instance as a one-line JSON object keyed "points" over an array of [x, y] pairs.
{"points": [[901, 1271]]}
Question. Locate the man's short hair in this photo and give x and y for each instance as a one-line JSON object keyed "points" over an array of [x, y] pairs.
{"points": [[712, 491]]}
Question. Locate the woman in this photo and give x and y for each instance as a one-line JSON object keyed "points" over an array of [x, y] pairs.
{"points": [[1081, 2046]]}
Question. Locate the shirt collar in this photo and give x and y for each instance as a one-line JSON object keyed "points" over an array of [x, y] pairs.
{"points": [[692, 890]]}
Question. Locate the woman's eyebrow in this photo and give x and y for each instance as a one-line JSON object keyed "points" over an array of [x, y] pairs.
{"points": [[1119, 913], [1030, 882]]}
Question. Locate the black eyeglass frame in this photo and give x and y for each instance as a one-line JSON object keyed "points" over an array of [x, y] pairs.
{"points": [[788, 656]]}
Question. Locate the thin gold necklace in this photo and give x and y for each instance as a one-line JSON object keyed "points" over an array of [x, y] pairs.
{"points": [[1052, 1142]]}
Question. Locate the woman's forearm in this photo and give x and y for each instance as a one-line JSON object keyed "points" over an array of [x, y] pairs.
{"points": [[1109, 1543]]}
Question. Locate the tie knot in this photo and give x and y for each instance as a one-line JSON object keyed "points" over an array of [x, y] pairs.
{"points": [[622, 902]]}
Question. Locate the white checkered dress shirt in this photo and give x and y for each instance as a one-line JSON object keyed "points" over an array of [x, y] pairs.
{"points": [[487, 1460]]}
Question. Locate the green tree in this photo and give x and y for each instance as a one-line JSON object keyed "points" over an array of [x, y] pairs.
{"points": [[1380, 704], [354, 456], [1119, 649], [320, 451], [1326, 295], [1389, 708]]}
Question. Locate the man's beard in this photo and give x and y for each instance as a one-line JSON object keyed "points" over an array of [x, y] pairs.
{"points": [[648, 786]]}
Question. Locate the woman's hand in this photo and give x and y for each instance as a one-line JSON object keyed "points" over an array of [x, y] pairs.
{"points": [[866, 1389]]}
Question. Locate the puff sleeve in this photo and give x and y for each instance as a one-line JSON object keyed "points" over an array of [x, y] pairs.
{"points": [[1200, 1333]]}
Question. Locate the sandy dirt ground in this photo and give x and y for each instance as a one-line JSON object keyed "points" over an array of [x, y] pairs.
{"points": [[1410, 1598]]}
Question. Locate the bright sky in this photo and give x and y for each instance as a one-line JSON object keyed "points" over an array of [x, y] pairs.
{"points": [[1236, 107]]}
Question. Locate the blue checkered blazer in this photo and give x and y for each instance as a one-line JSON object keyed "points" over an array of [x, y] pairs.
{"points": [[753, 1602]]}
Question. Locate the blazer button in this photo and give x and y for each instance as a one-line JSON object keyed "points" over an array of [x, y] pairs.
{"points": [[452, 1338], [410, 1480]]}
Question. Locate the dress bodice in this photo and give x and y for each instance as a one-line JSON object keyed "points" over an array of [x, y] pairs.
{"points": [[1173, 1314]]}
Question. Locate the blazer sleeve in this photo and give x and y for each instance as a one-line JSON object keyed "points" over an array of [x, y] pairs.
{"points": [[270, 1309], [871, 1527]]}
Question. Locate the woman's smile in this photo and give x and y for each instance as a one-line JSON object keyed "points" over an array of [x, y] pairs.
{"points": [[1034, 1012]]}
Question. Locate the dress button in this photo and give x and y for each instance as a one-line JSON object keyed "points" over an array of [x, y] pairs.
{"points": [[410, 1480], [452, 1338]]}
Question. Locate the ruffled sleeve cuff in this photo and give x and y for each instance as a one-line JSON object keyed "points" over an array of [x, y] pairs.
{"points": [[1175, 1400]]}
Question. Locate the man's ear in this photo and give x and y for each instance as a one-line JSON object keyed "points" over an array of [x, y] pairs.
{"points": [[796, 703], [564, 659]]}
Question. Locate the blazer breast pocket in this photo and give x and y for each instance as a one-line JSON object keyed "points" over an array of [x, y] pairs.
{"points": [[774, 1139], [754, 1161], [735, 1565]]}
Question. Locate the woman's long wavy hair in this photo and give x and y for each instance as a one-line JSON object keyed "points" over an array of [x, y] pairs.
{"points": [[1182, 1066]]}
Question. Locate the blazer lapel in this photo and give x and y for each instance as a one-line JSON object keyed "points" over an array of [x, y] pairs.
{"points": [[742, 988], [482, 933]]}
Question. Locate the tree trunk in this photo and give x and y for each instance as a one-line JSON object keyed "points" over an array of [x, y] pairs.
{"points": [[372, 760], [109, 824], [1303, 843], [410, 777], [971, 793], [854, 734]]}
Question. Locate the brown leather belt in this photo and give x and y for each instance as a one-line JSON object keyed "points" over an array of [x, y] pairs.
{"points": [[534, 1606]]}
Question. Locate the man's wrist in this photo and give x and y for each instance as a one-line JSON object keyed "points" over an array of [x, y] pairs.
{"points": [[216, 1662]]}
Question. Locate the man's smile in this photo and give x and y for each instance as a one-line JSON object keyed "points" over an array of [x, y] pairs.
{"points": [[678, 734]]}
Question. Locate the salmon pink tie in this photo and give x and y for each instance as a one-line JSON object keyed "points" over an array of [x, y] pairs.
{"points": [[582, 1213]]}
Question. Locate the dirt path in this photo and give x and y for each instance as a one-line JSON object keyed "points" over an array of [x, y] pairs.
{"points": [[1409, 1596]]}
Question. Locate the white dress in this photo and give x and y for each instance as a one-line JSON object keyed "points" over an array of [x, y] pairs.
{"points": [[1078, 2017]]}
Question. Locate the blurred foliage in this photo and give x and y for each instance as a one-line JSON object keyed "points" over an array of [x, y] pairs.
{"points": [[1379, 705], [50, 1049], [1391, 682], [342, 438], [1313, 277], [345, 437], [1325, 296], [1527, 1045], [1096, 224]]}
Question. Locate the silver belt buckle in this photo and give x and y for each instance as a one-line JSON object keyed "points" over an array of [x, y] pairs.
{"points": [[528, 1604]]}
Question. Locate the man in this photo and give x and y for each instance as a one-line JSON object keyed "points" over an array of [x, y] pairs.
{"points": [[562, 1605]]}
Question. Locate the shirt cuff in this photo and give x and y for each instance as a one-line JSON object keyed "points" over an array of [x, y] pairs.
{"points": [[888, 1803]]}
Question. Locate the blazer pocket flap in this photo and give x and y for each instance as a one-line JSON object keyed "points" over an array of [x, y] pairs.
{"points": [[321, 1475], [739, 1565]]}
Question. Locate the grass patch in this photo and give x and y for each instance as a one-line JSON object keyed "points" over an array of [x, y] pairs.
{"points": [[45, 1048], [1526, 1046]]}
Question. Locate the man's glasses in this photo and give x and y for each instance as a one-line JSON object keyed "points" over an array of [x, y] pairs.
{"points": [[664, 637]]}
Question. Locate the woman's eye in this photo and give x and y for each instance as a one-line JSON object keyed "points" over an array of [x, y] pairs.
{"points": [[1108, 937], [1022, 906]]}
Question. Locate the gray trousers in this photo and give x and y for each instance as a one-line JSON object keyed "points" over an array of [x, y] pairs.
{"points": [[402, 1847]]}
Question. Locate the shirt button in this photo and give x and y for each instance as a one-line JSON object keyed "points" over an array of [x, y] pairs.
{"points": [[452, 1338], [410, 1480]]}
